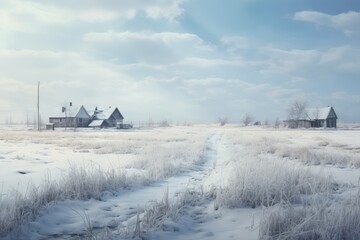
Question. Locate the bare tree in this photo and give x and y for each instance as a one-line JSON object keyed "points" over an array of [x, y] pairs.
{"points": [[27, 120], [266, 122], [247, 119], [35, 122], [277, 123], [296, 111], [222, 120]]}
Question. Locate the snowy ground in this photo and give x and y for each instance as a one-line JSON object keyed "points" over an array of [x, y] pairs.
{"points": [[194, 182]]}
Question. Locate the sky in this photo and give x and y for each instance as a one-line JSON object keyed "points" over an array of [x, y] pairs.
{"points": [[180, 60]]}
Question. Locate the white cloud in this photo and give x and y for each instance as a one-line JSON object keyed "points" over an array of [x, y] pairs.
{"points": [[147, 47], [235, 43], [213, 62], [63, 76], [282, 61], [299, 65], [345, 97], [342, 59], [167, 38], [33, 15], [165, 9], [346, 22]]}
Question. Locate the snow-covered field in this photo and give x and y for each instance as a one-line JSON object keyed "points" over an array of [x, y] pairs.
{"points": [[180, 182]]}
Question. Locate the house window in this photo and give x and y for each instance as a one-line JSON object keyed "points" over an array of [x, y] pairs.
{"points": [[80, 120], [60, 120]]}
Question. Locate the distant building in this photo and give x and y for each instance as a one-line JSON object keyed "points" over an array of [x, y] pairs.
{"points": [[316, 118], [80, 117], [71, 117], [110, 117]]}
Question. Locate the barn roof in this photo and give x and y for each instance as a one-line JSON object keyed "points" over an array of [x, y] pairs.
{"points": [[70, 112], [318, 113], [91, 111], [106, 114]]}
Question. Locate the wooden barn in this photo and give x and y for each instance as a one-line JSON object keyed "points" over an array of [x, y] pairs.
{"points": [[316, 118]]}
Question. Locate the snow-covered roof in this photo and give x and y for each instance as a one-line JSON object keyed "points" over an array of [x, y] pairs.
{"points": [[96, 123], [69, 112], [91, 112], [83, 112], [318, 113], [106, 114]]}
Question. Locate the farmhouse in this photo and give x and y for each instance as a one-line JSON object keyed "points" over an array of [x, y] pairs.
{"points": [[71, 117], [80, 117], [315, 117]]}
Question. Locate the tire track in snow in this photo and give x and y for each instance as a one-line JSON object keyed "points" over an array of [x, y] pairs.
{"points": [[71, 218]]}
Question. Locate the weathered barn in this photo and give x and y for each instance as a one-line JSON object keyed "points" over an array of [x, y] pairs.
{"points": [[71, 117], [315, 117], [322, 117]]}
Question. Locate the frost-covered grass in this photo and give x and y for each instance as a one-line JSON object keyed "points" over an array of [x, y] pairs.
{"points": [[170, 214], [79, 183], [266, 183], [164, 214], [307, 146], [309, 155], [156, 156], [298, 203], [321, 220], [254, 168]]}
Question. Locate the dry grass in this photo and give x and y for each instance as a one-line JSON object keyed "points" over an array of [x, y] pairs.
{"points": [[324, 220]]}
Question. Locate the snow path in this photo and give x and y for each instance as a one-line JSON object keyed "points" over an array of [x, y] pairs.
{"points": [[203, 221], [69, 219]]}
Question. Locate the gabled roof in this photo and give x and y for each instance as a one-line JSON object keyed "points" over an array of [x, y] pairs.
{"points": [[106, 114], [319, 113], [91, 111], [70, 112]]}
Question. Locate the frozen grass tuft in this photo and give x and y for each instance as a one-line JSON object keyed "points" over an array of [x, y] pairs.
{"points": [[18, 208], [163, 215], [91, 182], [309, 155], [266, 183], [319, 221]]}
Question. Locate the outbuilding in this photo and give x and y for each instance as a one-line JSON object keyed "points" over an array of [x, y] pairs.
{"points": [[315, 118]]}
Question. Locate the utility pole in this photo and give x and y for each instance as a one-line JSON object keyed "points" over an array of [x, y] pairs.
{"points": [[38, 106]]}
